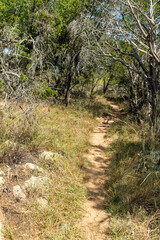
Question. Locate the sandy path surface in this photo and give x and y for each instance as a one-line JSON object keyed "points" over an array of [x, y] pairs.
{"points": [[96, 220]]}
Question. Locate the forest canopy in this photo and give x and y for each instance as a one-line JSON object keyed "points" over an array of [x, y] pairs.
{"points": [[64, 48]]}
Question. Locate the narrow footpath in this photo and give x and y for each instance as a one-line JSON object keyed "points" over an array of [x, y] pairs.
{"points": [[96, 220]]}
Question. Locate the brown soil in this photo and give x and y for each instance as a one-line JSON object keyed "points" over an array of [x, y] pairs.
{"points": [[96, 219]]}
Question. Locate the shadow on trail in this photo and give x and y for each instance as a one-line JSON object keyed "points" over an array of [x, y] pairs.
{"points": [[122, 187], [97, 107], [130, 188], [116, 99], [100, 147]]}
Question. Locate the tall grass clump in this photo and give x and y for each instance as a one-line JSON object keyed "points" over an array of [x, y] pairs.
{"points": [[18, 129]]}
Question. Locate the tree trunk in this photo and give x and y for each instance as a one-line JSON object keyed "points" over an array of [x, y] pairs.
{"points": [[154, 89], [68, 91], [133, 95], [106, 85]]}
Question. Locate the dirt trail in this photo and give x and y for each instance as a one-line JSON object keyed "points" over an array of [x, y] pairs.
{"points": [[95, 221]]}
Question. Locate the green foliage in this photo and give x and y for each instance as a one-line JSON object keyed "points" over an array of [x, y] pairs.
{"points": [[48, 92], [40, 32], [67, 11], [2, 87], [23, 77]]}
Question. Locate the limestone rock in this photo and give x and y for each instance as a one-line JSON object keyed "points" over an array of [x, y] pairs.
{"points": [[32, 166], [46, 155], [1, 181], [18, 192], [36, 182], [2, 173]]}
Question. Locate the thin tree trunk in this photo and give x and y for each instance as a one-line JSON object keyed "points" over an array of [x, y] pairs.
{"points": [[106, 85], [153, 91], [68, 91]]}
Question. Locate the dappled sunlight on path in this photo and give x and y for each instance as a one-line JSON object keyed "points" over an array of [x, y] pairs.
{"points": [[96, 220]]}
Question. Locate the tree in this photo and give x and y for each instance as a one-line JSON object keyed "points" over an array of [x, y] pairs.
{"points": [[24, 41], [130, 30]]}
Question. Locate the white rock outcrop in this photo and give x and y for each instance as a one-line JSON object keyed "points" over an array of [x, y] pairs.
{"points": [[32, 166], [36, 182], [18, 192], [46, 155]]}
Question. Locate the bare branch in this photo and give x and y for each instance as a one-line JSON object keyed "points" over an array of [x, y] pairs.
{"points": [[137, 20]]}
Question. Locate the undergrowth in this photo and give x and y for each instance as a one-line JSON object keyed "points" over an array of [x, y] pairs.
{"points": [[133, 189]]}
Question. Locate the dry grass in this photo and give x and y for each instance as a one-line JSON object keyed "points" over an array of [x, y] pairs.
{"points": [[133, 192], [133, 227], [31, 129]]}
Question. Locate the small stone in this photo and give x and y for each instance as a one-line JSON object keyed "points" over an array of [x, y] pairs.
{"points": [[32, 166], [42, 201], [2, 173], [46, 155], [18, 192], [1, 181], [36, 182]]}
